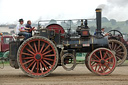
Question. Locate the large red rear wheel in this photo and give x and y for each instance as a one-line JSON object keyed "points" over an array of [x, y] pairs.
{"points": [[102, 61], [37, 56]]}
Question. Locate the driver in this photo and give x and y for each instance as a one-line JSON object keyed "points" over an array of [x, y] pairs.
{"points": [[103, 32], [28, 26], [21, 30]]}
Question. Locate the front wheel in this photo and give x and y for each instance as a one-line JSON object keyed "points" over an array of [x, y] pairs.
{"points": [[37, 57], [102, 61]]}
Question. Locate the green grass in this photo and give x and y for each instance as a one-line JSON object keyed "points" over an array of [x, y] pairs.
{"points": [[126, 61]]}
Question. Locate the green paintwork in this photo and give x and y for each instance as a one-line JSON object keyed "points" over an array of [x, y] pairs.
{"points": [[1, 54], [80, 56], [4, 54]]}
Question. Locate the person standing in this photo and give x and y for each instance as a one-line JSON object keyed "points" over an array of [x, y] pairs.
{"points": [[21, 30]]}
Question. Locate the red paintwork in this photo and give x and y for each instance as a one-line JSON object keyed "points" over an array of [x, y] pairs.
{"points": [[56, 27], [4, 46], [36, 63], [110, 62]]}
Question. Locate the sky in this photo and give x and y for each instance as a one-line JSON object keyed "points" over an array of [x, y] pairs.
{"points": [[12, 10]]}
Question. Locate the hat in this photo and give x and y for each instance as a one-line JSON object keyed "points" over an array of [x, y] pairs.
{"points": [[102, 28], [21, 20]]}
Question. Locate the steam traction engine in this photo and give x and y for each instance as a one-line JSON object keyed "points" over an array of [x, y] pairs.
{"points": [[39, 55]]}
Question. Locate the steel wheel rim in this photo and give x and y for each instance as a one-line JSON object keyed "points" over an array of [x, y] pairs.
{"points": [[99, 67], [86, 61], [43, 65]]}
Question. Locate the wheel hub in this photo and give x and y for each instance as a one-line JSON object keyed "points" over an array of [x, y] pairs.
{"points": [[38, 56], [102, 61]]}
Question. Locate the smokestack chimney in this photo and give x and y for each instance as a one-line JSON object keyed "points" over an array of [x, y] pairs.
{"points": [[98, 20]]}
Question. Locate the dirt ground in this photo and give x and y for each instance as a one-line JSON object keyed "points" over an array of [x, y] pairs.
{"points": [[79, 76]]}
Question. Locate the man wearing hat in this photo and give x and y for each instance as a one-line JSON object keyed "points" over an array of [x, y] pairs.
{"points": [[20, 30], [103, 32]]}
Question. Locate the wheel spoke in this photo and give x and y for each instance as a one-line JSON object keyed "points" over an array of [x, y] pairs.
{"points": [[27, 58], [28, 61], [96, 56], [38, 45], [120, 53], [35, 46], [41, 67], [95, 65], [33, 67], [118, 58], [48, 59], [47, 52], [101, 54], [105, 54], [112, 45], [109, 62], [99, 68], [49, 55], [44, 65], [30, 51], [31, 47], [46, 48], [108, 58], [47, 62], [95, 60], [30, 64], [103, 68], [118, 47], [108, 67], [118, 50], [42, 47], [27, 54], [115, 47], [37, 67]]}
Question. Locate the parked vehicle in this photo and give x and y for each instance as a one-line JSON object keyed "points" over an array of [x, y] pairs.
{"points": [[4, 46]]}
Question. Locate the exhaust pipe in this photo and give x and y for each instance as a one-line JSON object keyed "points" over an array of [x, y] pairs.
{"points": [[98, 21]]}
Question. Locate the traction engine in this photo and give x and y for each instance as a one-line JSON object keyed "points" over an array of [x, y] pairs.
{"points": [[51, 47]]}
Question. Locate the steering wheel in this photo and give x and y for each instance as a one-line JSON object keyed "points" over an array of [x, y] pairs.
{"points": [[115, 33]]}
